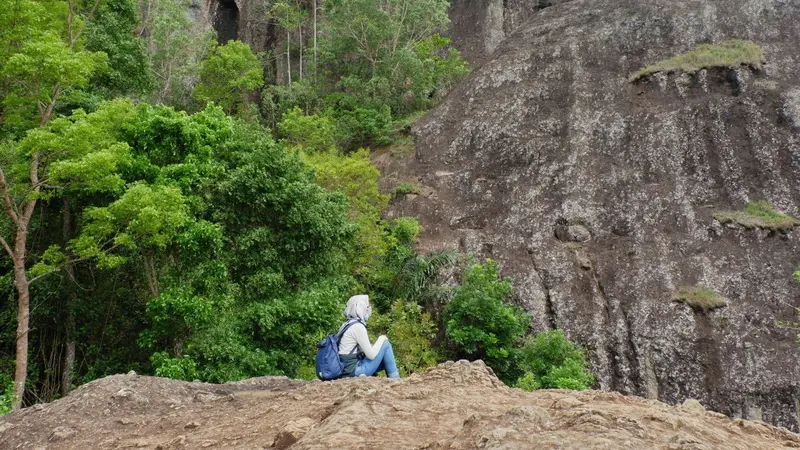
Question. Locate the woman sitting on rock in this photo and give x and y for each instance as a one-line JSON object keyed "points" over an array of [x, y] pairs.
{"points": [[358, 356]]}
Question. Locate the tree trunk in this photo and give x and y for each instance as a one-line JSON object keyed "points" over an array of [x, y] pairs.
{"points": [[315, 38], [151, 274], [300, 75], [23, 314], [69, 355], [288, 58]]}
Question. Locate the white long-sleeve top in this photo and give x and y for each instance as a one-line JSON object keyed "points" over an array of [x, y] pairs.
{"points": [[356, 335]]}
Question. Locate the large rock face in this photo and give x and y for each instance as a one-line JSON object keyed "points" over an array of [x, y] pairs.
{"points": [[478, 26], [245, 20], [453, 406], [598, 195]]}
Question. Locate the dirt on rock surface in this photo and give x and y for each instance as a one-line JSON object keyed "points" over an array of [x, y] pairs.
{"points": [[454, 405]]}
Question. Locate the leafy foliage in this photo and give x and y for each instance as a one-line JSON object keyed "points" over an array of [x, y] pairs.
{"points": [[550, 360], [479, 323], [356, 177], [112, 32], [228, 76], [6, 394], [175, 368], [411, 332], [190, 244], [175, 46], [38, 66], [406, 188], [309, 133], [387, 53]]}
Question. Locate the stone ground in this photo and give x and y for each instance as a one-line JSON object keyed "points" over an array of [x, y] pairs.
{"points": [[454, 405]]}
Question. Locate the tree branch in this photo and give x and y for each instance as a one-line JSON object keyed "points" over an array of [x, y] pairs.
{"points": [[31, 204], [74, 39], [59, 267], [7, 198], [5, 246]]}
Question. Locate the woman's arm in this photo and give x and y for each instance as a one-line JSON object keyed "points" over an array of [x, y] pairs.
{"points": [[360, 333]]}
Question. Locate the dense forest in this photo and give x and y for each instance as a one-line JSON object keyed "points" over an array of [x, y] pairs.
{"points": [[183, 207]]}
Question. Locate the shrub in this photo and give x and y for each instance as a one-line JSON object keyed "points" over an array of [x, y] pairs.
{"points": [[550, 360], [731, 54], [480, 325], [758, 214], [175, 368], [228, 76], [406, 188], [6, 394], [699, 298], [411, 331], [358, 125], [276, 100], [311, 133], [356, 177], [528, 382], [406, 229]]}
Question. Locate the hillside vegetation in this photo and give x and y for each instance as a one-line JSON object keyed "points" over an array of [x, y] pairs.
{"points": [[186, 208]]}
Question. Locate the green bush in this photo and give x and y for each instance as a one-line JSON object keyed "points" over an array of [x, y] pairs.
{"points": [[6, 394], [228, 76], [405, 189], [175, 368], [310, 133], [480, 325], [276, 100], [550, 360], [528, 382], [358, 125], [411, 331]]}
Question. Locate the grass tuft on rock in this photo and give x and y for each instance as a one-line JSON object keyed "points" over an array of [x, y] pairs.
{"points": [[759, 214], [699, 298], [405, 189], [730, 54]]}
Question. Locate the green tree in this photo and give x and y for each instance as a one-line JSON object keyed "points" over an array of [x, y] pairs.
{"points": [[309, 133], [112, 32], [480, 325], [76, 153], [45, 60], [290, 17], [176, 46], [387, 52], [228, 76]]}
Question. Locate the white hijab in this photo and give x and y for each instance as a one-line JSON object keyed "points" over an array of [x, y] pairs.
{"points": [[358, 307]]}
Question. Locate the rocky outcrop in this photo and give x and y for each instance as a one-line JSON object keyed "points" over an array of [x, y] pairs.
{"points": [[245, 20], [453, 406], [598, 194], [478, 26]]}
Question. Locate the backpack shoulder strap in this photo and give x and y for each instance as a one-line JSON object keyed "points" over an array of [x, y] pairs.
{"points": [[344, 328], [341, 334]]}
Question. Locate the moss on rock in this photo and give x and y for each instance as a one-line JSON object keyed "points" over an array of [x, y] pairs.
{"points": [[759, 214], [727, 54]]}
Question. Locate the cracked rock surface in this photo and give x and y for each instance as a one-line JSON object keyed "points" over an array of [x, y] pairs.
{"points": [[598, 194], [458, 405]]}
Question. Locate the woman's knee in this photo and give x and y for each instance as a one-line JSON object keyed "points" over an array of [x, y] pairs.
{"points": [[387, 345]]}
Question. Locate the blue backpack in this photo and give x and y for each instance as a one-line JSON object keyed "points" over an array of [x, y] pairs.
{"points": [[329, 366]]}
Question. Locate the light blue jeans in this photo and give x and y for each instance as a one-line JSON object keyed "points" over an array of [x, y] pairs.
{"points": [[383, 361]]}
